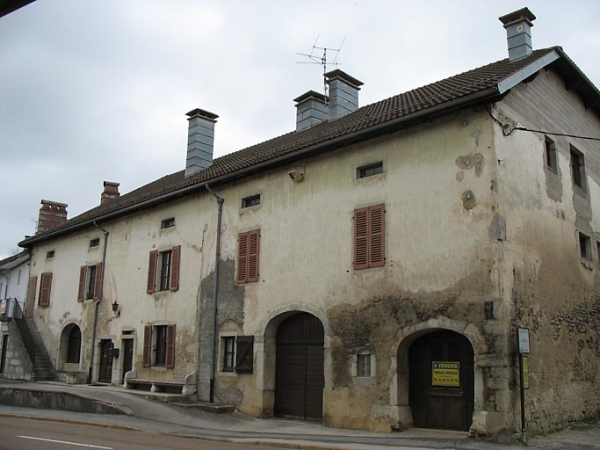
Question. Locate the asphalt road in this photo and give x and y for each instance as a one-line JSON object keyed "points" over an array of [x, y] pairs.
{"points": [[28, 434]]}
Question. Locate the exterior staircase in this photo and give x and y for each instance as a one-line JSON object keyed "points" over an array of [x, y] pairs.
{"points": [[43, 369]]}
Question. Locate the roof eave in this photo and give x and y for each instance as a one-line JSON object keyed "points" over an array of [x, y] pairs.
{"points": [[486, 95]]}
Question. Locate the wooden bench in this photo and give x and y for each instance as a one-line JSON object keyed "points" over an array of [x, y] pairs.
{"points": [[186, 386]]}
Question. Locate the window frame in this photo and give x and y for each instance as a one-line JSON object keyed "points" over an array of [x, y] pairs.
{"points": [[159, 353], [248, 270], [251, 201], [155, 267], [50, 254], [89, 287], [165, 224], [551, 154], [578, 175], [164, 272], [45, 289], [364, 365], [585, 247], [94, 243], [228, 343], [369, 170]]}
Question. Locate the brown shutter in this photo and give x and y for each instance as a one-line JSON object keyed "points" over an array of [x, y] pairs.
{"points": [[30, 297], [175, 263], [98, 281], [244, 354], [147, 358], [82, 276], [376, 235], [242, 258], [170, 356], [152, 263], [253, 252], [361, 252], [45, 286]]}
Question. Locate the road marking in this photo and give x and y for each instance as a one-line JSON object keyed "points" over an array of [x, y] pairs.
{"points": [[65, 442]]}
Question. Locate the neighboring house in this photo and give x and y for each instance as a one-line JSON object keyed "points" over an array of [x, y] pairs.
{"points": [[14, 274], [373, 265]]}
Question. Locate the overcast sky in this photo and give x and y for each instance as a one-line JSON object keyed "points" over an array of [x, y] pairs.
{"points": [[94, 90]]}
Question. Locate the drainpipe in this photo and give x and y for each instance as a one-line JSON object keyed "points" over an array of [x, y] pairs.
{"points": [[97, 302], [213, 364]]}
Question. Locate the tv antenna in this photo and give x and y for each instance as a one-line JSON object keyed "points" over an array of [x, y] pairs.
{"points": [[322, 60]]}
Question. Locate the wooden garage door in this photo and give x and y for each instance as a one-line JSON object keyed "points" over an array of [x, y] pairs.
{"points": [[441, 381], [299, 379]]}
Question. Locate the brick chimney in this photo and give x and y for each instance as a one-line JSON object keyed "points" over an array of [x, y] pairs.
{"points": [[518, 30], [311, 109], [201, 135], [51, 215], [111, 192], [343, 93]]}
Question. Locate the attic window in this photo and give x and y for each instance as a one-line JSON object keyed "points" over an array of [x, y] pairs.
{"points": [[50, 254], [253, 200], [370, 170], [168, 223], [95, 242]]}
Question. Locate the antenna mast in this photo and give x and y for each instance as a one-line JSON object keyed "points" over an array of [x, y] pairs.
{"points": [[322, 60]]}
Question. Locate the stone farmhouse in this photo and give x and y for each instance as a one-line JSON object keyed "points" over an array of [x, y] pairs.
{"points": [[369, 269]]}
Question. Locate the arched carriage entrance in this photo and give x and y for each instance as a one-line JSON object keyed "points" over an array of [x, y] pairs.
{"points": [[299, 367], [441, 381]]}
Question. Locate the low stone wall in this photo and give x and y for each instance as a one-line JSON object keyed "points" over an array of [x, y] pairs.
{"points": [[40, 399]]}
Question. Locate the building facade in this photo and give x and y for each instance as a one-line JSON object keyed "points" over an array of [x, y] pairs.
{"points": [[368, 270]]}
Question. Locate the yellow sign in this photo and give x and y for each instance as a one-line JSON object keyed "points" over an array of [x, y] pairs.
{"points": [[445, 373]]}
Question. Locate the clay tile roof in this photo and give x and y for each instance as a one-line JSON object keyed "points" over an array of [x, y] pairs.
{"points": [[438, 95]]}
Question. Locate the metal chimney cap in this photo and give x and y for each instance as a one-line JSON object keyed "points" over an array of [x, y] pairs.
{"points": [[340, 74], [202, 113], [523, 14], [311, 95]]}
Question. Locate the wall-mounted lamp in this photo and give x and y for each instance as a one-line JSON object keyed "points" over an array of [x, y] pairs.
{"points": [[297, 177], [115, 309]]}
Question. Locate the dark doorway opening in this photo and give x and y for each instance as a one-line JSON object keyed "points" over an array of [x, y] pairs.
{"points": [[127, 357], [106, 361], [4, 352], [299, 368], [441, 381]]}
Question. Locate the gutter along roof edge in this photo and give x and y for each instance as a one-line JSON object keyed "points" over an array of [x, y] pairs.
{"points": [[383, 128]]}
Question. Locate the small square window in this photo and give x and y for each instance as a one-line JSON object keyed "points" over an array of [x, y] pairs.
{"points": [[253, 200], [551, 162], [229, 354], [50, 254], [577, 168], [363, 365], [167, 223], [585, 247], [95, 242], [370, 170]]}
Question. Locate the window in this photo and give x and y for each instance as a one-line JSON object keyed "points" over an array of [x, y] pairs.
{"points": [[598, 251], [253, 200], [238, 354], [228, 354], [163, 270], [248, 256], [551, 161], [168, 223], [89, 282], [19, 278], [369, 237], [577, 168], [363, 365], [95, 242], [159, 346], [50, 254], [585, 247], [370, 170], [74, 346], [45, 287]]}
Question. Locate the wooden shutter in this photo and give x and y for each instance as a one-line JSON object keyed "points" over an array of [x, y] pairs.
{"points": [[98, 281], [30, 297], [242, 258], [170, 357], [361, 238], [45, 286], [253, 251], [369, 236], [152, 264], [244, 354], [175, 263], [82, 277], [376, 235], [147, 358]]}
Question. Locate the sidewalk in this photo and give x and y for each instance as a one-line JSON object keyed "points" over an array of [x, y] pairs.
{"points": [[132, 410]]}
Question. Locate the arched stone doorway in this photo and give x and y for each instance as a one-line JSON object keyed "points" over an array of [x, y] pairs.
{"points": [[441, 380], [70, 348], [299, 367]]}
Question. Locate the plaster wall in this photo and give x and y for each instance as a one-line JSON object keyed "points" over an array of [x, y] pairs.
{"points": [[554, 291]]}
